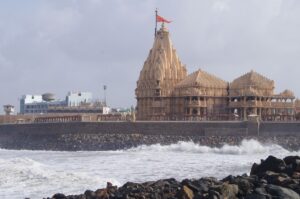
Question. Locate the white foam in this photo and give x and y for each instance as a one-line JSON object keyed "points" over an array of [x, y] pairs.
{"points": [[246, 147], [38, 174]]}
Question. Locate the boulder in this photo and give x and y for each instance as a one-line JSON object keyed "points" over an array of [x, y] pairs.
{"points": [[270, 164], [244, 184], [59, 196], [296, 175], [89, 194], [102, 194], [280, 179], [290, 159], [229, 191], [185, 193], [214, 195], [280, 192], [191, 185], [294, 161]]}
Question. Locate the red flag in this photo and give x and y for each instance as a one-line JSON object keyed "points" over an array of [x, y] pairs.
{"points": [[161, 19]]}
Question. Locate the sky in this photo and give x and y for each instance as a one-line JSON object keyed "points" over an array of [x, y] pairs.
{"points": [[80, 45]]}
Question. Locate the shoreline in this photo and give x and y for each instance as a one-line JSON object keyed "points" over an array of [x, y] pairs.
{"points": [[272, 178], [107, 142]]}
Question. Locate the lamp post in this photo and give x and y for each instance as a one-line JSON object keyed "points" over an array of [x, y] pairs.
{"points": [[104, 89]]}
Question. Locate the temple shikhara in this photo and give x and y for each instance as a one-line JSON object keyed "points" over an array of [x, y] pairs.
{"points": [[165, 91]]}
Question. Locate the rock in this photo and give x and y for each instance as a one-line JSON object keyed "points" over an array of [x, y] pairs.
{"points": [[256, 196], [214, 194], [290, 159], [296, 175], [59, 196], [191, 185], [259, 193], [244, 185], [101, 194], [280, 192], [229, 191], [280, 179], [228, 179], [294, 161], [273, 178], [89, 194], [270, 164], [185, 193]]}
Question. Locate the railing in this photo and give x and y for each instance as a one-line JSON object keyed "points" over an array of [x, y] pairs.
{"points": [[282, 105], [262, 104]]}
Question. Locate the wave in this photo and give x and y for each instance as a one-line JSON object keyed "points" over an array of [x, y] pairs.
{"points": [[26, 177], [246, 147]]}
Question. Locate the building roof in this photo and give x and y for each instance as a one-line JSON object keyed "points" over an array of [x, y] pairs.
{"points": [[202, 79], [287, 93], [252, 79]]}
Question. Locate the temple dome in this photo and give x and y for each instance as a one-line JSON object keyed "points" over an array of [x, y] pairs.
{"points": [[287, 93], [252, 79], [201, 78]]}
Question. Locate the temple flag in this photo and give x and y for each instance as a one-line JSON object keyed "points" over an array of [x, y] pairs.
{"points": [[161, 19]]}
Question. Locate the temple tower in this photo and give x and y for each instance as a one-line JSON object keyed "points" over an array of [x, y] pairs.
{"points": [[162, 70]]}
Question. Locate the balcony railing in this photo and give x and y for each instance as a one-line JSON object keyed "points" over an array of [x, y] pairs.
{"points": [[262, 104]]}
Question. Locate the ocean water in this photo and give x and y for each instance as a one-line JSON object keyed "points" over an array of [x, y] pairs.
{"points": [[38, 174]]}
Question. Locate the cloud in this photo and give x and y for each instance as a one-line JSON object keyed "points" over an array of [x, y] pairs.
{"points": [[63, 45]]}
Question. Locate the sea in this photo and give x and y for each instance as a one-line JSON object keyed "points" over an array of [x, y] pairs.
{"points": [[40, 174]]}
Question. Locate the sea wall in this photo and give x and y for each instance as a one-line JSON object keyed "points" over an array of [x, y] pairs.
{"points": [[119, 135]]}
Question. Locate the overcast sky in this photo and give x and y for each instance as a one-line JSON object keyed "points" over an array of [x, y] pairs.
{"points": [[79, 45]]}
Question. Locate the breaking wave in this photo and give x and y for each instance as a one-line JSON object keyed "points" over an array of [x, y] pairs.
{"points": [[246, 147], [38, 174]]}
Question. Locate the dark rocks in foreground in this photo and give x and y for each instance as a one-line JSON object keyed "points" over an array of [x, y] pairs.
{"points": [[272, 178]]}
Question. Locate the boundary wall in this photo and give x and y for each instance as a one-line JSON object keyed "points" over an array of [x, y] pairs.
{"points": [[246, 128], [119, 135]]}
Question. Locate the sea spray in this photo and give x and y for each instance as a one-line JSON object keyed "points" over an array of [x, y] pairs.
{"points": [[35, 174], [246, 147]]}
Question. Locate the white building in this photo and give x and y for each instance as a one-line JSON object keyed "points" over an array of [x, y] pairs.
{"points": [[75, 102], [35, 104], [78, 98]]}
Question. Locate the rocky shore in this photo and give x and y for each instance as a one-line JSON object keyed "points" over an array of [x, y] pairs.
{"points": [[75, 142], [97, 142], [272, 178]]}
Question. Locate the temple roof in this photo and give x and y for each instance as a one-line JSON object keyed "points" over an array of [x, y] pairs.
{"points": [[287, 93], [252, 79], [202, 79]]}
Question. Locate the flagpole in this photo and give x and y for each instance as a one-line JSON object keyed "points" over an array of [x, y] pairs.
{"points": [[155, 22]]}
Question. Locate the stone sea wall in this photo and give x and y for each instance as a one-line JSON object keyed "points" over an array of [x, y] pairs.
{"points": [[120, 135]]}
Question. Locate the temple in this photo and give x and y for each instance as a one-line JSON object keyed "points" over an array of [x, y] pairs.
{"points": [[166, 92]]}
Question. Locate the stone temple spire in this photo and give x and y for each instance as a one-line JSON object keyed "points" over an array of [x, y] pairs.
{"points": [[162, 64], [162, 70]]}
